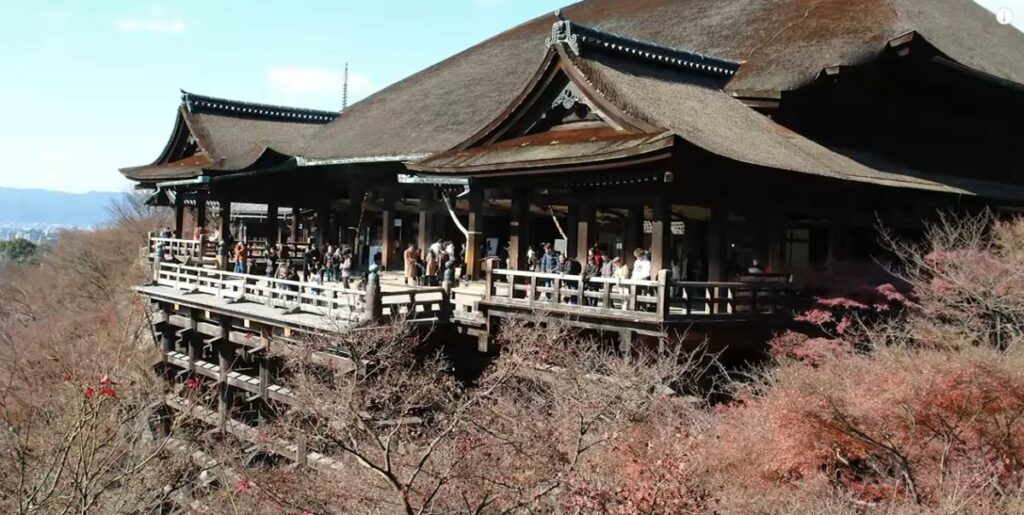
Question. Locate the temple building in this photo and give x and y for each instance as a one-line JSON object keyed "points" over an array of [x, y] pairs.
{"points": [[722, 136]]}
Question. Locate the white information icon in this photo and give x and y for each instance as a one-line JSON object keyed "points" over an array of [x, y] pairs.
{"points": [[1004, 16]]}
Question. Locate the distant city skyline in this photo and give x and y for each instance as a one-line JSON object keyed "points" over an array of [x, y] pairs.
{"points": [[92, 86]]}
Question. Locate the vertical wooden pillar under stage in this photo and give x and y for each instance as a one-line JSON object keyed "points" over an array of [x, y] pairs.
{"points": [[586, 228], [179, 214], [661, 235], [273, 227], [387, 231], [520, 231], [634, 232], [475, 238]]}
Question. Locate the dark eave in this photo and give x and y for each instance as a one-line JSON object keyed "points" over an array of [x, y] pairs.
{"points": [[556, 150], [580, 38], [222, 106]]}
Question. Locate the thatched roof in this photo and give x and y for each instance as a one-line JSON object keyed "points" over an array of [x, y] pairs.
{"points": [[219, 135], [718, 123], [783, 44]]}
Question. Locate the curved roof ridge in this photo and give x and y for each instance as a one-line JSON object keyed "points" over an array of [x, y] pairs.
{"points": [[577, 37], [213, 105]]}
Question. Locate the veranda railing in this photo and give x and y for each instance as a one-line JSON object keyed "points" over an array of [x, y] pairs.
{"points": [[329, 299], [658, 299]]}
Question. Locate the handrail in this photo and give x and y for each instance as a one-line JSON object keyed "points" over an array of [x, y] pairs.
{"points": [[300, 296], [645, 298], [661, 299]]}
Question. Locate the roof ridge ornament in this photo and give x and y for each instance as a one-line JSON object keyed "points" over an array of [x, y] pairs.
{"points": [[562, 35]]}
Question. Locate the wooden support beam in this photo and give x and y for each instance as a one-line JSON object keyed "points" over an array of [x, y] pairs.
{"points": [[520, 230], [225, 220], [715, 242], [475, 238], [835, 242], [323, 224], [775, 227], [426, 219], [634, 232], [354, 218], [273, 227], [586, 228], [571, 228], [387, 231], [225, 360], [201, 211], [295, 225], [179, 214], [661, 235]]}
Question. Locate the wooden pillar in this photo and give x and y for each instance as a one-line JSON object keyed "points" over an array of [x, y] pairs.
{"points": [[201, 211], [715, 241], [387, 231], [776, 227], [323, 224], [355, 222], [225, 360], [586, 228], [179, 214], [520, 231], [225, 220], [167, 336], [835, 241], [572, 219], [426, 221], [272, 224], [294, 238], [661, 235], [475, 238], [634, 232]]}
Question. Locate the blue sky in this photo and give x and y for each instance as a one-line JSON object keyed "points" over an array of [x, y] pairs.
{"points": [[90, 86]]}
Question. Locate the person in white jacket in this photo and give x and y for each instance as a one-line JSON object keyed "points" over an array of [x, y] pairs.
{"points": [[642, 266]]}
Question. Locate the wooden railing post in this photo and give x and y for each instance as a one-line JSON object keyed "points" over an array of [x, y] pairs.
{"points": [[582, 296], [532, 291], [374, 303], [662, 294], [157, 260], [201, 248], [300, 452], [489, 287]]}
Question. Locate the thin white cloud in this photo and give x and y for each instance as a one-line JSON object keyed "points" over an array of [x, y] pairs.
{"points": [[155, 25], [488, 4], [310, 81]]}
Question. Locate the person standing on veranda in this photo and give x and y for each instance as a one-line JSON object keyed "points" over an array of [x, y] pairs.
{"points": [[241, 257], [409, 258]]}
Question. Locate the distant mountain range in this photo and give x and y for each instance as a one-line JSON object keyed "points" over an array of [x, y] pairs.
{"points": [[36, 206]]}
